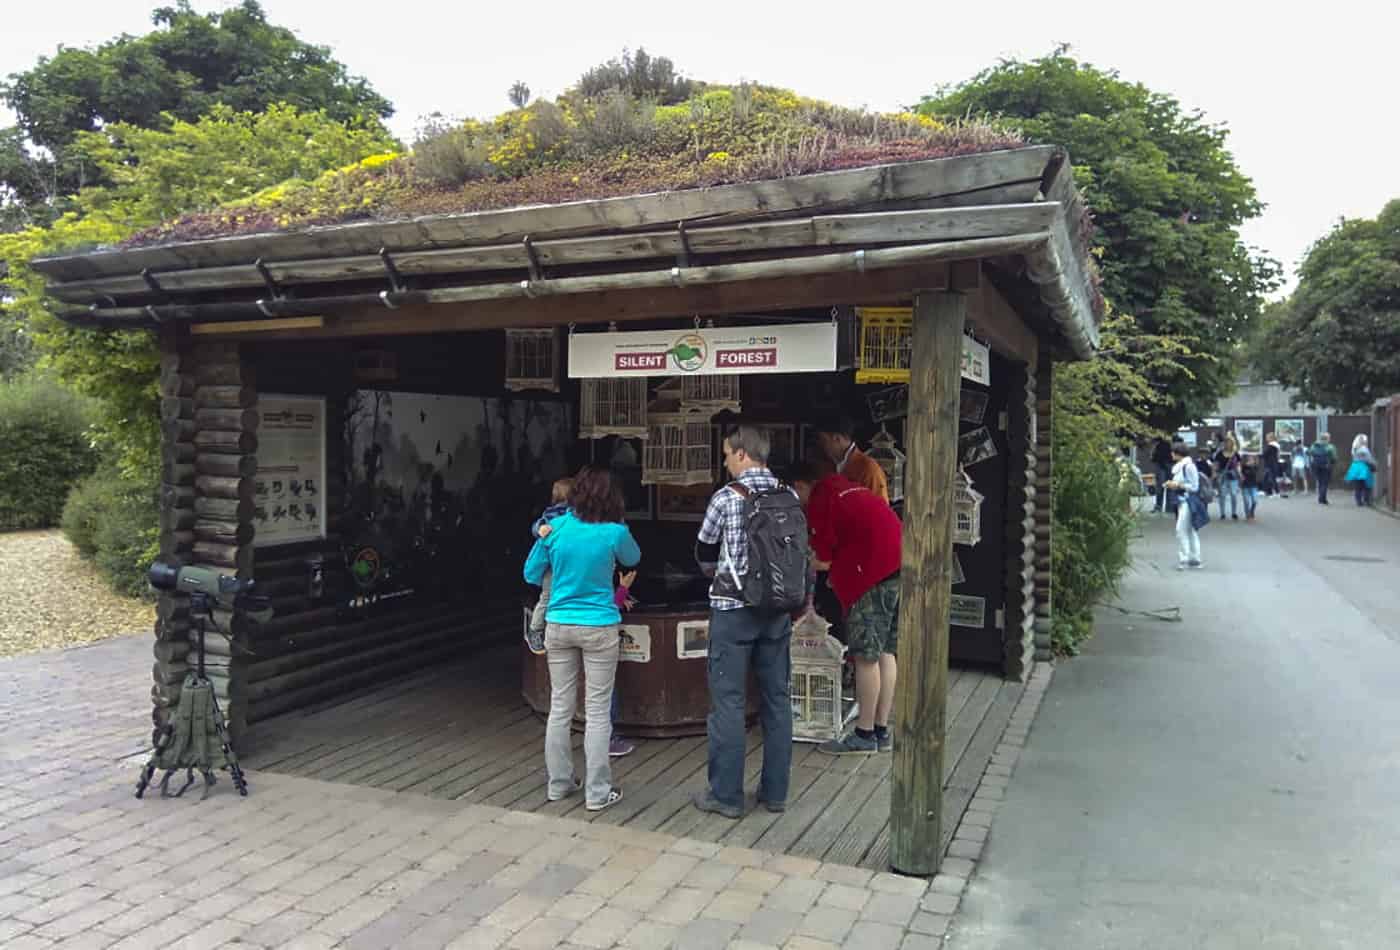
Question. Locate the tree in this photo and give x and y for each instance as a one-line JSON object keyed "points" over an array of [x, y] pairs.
{"points": [[1337, 339], [1168, 200], [189, 64], [519, 94], [641, 75]]}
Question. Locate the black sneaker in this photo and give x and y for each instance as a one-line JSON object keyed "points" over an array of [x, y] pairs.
{"points": [[850, 745], [885, 741], [534, 639], [706, 801]]}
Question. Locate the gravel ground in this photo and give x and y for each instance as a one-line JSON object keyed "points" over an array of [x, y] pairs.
{"points": [[51, 598]]}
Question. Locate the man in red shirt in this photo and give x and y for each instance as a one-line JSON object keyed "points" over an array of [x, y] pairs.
{"points": [[858, 538]]}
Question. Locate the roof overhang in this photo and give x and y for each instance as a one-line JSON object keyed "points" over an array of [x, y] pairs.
{"points": [[1018, 205]]}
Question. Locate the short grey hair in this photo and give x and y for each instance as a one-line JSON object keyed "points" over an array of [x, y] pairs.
{"points": [[750, 440]]}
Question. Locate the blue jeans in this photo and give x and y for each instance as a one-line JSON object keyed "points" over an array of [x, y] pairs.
{"points": [[1230, 497], [1251, 500], [735, 637]]}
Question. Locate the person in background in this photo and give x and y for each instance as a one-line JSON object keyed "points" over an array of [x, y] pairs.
{"points": [[622, 597], [1301, 472], [1162, 463], [1227, 478], [1270, 468], [858, 538], [740, 633], [1185, 481], [1362, 471], [582, 631], [835, 439], [1323, 455], [1203, 466], [1249, 484], [558, 505]]}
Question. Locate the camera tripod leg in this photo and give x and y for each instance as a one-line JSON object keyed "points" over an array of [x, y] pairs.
{"points": [[150, 770], [234, 769]]}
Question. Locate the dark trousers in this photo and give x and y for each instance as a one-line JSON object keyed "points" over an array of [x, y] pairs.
{"points": [[1324, 479], [736, 637], [1363, 494], [1164, 475]]}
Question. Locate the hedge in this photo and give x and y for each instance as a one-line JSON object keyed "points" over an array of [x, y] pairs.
{"points": [[44, 450]]}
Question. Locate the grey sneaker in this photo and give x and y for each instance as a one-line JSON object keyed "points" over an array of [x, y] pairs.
{"points": [[885, 740], [776, 808], [1195, 565], [618, 747], [706, 801], [534, 639], [850, 745], [613, 798]]}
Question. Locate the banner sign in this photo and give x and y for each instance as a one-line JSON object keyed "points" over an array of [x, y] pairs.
{"points": [[708, 351], [289, 501], [976, 362]]}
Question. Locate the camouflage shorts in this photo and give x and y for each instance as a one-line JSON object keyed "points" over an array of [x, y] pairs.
{"points": [[872, 627]]}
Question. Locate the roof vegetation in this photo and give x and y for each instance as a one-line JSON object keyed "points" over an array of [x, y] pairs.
{"points": [[603, 144]]}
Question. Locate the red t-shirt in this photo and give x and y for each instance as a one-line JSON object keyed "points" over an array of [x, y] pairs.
{"points": [[855, 530]]}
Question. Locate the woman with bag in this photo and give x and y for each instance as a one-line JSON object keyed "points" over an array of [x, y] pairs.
{"points": [[1228, 476], [1185, 483], [1362, 472]]}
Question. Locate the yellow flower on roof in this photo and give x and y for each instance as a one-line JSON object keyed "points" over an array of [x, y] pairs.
{"points": [[377, 161], [718, 158]]}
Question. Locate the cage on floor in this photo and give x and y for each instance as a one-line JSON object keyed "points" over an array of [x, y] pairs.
{"points": [[679, 449], [532, 360], [612, 407], [818, 658]]}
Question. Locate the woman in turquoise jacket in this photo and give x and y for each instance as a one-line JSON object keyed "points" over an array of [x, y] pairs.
{"points": [[1362, 472], [581, 630]]}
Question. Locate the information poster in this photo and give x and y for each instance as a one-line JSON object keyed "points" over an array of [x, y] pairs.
{"points": [[636, 643], [704, 351], [289, 489]]}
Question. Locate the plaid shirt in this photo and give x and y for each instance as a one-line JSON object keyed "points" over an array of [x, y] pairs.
{"points": [[724, 525]]}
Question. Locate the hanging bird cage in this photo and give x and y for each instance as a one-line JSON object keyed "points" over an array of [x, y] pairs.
{"points": [[815, 683], [612, 407], [967, 511], [679, 449], [890, 460], [710, 393], [886, 344], [532, 360]]}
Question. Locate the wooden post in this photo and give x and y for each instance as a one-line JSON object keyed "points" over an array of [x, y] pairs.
{"points": [[931, 437]]}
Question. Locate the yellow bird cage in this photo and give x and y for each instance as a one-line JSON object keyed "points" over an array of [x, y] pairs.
{"points": [[886, 344]]}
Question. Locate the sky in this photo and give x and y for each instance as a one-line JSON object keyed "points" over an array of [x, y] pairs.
{"points": [[1308, 94]]}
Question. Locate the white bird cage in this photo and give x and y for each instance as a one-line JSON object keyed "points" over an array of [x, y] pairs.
{"points": [[679, 449], [613, 407], [818, 714], [710, 393], [532, 360], [890, 460], [967, 510]]}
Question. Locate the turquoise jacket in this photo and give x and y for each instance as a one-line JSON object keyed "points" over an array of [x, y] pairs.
{"points": [[582, 558]]}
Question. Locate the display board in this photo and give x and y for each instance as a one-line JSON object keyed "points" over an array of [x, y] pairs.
{"points": [[290, 484], [704, 351]]}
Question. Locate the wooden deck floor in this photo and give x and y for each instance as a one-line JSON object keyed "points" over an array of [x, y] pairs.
{"points": [[462, 732]]}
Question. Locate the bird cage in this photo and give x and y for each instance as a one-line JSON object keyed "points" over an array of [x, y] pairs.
{"points": [[710, 393], [890, 460], [532, 360], [679, 449], [886, 344], [967, 510], [613, 407], [815, 684]]}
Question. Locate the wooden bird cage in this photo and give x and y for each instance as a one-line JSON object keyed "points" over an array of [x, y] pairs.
{"points": [[886, 344], [967, 511], [710, 393], [818, 713], [532, 360], [612, 407], [679, 449], [891, 461]]}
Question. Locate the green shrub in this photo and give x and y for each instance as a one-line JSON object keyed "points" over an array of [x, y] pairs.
{"points": [[114, 522], [1093, 524], [44, 449]]}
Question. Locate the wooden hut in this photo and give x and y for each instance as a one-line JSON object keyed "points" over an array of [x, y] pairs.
{"points": [[296, 363]]}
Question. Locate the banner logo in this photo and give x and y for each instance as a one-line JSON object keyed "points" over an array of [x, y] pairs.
{"points": [[689, 352]]}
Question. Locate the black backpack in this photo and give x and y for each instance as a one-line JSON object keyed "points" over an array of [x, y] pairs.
{"points": [[776, 530], [1321, 458]]}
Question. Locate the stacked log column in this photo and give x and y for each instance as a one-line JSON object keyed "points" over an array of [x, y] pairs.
{"points": [[1045, 470], [209, 461], [1018, 632]]}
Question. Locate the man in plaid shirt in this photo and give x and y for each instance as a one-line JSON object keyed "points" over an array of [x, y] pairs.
{"points": [[737, 634]]}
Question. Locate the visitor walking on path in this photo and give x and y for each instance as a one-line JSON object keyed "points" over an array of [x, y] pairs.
{"points": [[1249, 485], [1323, 456], [1162, 462], [1301, 471], [1227, 478], [1271, 471], [581, 631], [1362, 472], [1185, 484]]}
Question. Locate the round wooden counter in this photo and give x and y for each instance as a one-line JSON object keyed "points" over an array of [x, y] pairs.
{"points": [[662, 685]]}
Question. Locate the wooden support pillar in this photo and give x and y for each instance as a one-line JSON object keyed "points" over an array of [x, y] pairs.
{"points": [[931, 440]]}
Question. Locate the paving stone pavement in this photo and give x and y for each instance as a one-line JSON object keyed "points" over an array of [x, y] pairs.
{"points": [[314, 865]]}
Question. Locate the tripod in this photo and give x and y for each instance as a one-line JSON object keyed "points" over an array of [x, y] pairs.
{"points": [[183, 741]]}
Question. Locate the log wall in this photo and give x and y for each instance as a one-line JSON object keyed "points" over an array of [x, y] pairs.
{"points": [[1018, 634], [1045, 470]]}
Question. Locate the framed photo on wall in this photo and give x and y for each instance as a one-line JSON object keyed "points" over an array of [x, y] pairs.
{"points": [[1249, 433], [682, 502], [1289, 431]]}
